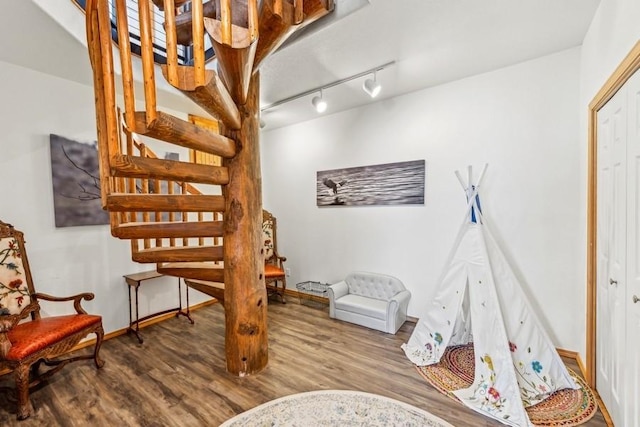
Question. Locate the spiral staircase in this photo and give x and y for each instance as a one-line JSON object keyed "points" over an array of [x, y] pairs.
{"points": [[213, 241]]}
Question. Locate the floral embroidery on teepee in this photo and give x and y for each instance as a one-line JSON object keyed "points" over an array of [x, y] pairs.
{"points": [[535, 385], [431, 350], [14, 293], [488, 396]]}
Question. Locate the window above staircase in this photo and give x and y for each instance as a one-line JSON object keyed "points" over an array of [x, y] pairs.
{"points": [[183, 22]]}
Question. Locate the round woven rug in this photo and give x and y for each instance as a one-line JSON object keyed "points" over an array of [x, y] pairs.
{"points": [[331, 408], [563, 408]]}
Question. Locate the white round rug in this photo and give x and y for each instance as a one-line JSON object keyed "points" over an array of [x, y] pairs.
{"points": [[335, 408]]}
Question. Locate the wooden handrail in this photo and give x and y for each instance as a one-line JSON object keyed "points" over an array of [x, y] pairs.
{"points": [[106, 98]]}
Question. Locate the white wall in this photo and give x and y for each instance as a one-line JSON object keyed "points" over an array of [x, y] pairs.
{"points": [[522, 120], [611, 36], [64, 261]]}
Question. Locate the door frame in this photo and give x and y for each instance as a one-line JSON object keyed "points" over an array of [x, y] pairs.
{"points": [[629, 65]]}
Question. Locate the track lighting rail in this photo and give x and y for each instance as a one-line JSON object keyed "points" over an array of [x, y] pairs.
{"points": [[329, 85]]}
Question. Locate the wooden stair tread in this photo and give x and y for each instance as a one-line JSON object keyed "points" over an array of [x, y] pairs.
{"points": [[179, 254], [172, 170], [218, 285], [188, 265], [181, 132], [213, 97], [208, 271], [214, 289], [156, 230], [123, 202]]}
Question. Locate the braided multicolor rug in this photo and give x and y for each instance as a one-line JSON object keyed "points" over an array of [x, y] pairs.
{"points": [[563, 408]]}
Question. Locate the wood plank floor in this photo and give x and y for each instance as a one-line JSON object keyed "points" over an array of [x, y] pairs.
{"points": [[178, 378]]}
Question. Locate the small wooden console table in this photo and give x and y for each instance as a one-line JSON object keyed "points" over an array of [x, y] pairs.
{"points": [[134, 281]]}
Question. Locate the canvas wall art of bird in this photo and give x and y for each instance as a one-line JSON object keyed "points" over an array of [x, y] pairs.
{"points": [[334, 185]]}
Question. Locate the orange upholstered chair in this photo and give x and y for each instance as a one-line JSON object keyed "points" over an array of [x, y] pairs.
{"points": [[28, 340], [274, 271]]}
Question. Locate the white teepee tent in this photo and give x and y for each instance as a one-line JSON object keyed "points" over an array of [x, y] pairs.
{"points": [[479, 300]]}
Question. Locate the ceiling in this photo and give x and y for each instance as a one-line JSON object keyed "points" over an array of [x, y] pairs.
{"points": [[431, 42]]}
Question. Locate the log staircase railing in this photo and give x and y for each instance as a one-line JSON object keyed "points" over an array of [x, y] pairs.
{"points": [[181, 229], [162, 237]]}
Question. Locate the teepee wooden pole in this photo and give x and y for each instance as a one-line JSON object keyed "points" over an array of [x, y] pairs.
{"points": [[461, 179], [484, 169]]}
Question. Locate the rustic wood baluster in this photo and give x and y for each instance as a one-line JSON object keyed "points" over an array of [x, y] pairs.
{"points": [[277, 7], [156, 184], [217, 216], [148, 65], [135, 244], [125, 63], [144, 183], [252, 19], [132, 181], [225, 20], [197, 25], [298, 11], [172, 214], [172, 43], [200, 218], [185, 218], [120, 182]]}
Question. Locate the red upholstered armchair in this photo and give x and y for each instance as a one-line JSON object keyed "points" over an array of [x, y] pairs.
{"points": [[28, 340], [274, 271]]}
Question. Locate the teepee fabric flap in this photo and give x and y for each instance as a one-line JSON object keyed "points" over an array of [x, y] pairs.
{"points": [[444, 323], [540, 369], [494, 391]]}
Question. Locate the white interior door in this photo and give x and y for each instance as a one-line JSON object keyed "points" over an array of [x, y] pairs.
{"points": [[632, 372], [612, 252]]}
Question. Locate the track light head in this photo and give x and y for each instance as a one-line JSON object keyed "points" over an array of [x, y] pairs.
{"points": [[372, 87], [319, 103]]}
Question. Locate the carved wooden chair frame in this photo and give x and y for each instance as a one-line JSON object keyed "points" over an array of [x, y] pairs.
{"points": [[28, 340], [275, 272]]}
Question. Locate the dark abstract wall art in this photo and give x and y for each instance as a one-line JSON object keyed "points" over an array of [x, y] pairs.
{"points": [[76, 183]]}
